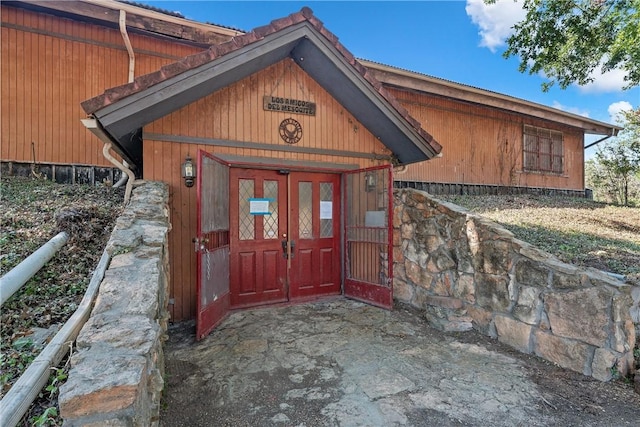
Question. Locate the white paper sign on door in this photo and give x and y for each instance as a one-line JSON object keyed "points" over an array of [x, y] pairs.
{"points": [[326, 210], [259, 206]]}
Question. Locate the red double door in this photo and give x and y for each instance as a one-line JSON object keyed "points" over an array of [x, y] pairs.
{"points": [[271, 236], [284, 236]]}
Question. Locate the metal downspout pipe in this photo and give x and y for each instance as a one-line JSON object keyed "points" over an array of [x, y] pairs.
{"points": [[123, 31], [94, 127], [597, 142], [132, 66], [131, 177]]}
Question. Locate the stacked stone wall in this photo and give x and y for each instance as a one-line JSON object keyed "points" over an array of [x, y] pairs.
{"points": [[117, 370], [468, 272]]}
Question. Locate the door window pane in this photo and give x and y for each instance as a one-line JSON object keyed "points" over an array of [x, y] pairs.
{"points": [[305, 206], [246, 221], [326, 209], [271, 221]]}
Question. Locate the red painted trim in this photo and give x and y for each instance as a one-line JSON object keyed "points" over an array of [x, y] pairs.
{"points": [[380, 296], [212, 316], [369, 293], [209, 316], [390, 233]]}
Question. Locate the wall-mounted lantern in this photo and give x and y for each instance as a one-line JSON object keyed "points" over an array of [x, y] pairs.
{"points": [[188, 172], [370, 181]]}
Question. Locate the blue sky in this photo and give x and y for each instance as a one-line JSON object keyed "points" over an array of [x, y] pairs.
{"points": [[459, 40]]}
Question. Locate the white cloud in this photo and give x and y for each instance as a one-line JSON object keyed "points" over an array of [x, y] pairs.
{"points": [[612, 81], [574, 110], [616, 108], [494, 20]]}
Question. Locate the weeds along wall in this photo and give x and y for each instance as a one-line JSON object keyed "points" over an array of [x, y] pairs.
{"points": [[116, 375], [468, 272]]}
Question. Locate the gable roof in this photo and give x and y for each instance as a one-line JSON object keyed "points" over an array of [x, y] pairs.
{"points": [[123, 110]]}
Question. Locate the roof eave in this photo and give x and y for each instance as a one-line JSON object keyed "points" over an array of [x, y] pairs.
{"points": [[312, 52], [420, 82]]}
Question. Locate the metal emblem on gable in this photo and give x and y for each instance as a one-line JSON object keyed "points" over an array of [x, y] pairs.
{"points": [[290, 131]]}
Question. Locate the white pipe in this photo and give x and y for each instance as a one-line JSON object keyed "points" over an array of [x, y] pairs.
{"points": [[127, 192], [132, 66], [21, 273], [620, 277], [18, 399], [94, 127], [123, 178], [127, 42]]}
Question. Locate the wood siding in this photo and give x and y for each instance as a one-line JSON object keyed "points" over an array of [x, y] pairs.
{"points": [[483, 145], [51, 64], [236, 114]]}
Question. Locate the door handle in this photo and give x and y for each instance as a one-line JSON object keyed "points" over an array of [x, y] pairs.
{"points": [[292, 244]]}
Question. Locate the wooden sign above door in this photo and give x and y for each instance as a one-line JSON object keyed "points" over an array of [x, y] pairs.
{"points": [[288, 105]]}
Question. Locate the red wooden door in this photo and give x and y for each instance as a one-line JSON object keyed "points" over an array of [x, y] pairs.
{"points": [[212, 243], [368, 234], [258, 225], [315, 232], [285, 233]]}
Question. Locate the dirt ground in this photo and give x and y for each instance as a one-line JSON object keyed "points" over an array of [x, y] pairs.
{"points": [[343, 363]]}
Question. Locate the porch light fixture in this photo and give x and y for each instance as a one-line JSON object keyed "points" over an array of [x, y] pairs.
{"points": [[188, 172], [369, 181]]}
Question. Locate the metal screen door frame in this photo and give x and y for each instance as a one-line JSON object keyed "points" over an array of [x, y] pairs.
{"points": [[212, 242], [368, 235]]}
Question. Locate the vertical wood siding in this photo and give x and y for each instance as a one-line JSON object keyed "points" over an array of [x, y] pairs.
{"points": [[49, 66], [482, 145], [235, 113]]}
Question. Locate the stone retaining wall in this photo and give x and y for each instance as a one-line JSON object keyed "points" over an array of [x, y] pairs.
{"points": [[466, 271], [117, 370]]}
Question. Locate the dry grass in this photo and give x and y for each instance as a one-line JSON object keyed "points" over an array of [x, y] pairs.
{"points": [[577, 231]]}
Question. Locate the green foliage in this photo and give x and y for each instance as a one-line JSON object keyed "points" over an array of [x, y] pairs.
{"points": [[58, 376], [47, 418], [613, 173], [569, 39]]}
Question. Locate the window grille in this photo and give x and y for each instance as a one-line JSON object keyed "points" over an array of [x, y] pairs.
{"points": [[543, 150]]}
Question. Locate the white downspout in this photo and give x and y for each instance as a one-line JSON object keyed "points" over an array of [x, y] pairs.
{"points": [[132, 67], [129, 173], [94, 127], [127, 42]]}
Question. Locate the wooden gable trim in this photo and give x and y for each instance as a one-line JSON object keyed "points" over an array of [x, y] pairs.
{"points": [[131, 106]]}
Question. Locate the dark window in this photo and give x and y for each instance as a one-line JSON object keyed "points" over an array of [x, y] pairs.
{"points": [[543, 150]]}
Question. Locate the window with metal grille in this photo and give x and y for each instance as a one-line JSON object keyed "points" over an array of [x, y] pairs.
{"points": [[543, 150]]}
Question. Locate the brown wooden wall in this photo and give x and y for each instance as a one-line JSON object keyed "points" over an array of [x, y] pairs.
{"points": [[482, 145], [236, 114], [51, 64]]}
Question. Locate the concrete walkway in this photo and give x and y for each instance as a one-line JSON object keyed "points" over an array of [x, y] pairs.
{"points": [[343, 363]]}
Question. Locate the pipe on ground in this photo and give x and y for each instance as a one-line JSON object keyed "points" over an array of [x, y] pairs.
{"points": [[21, 273], [18, 399]]}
